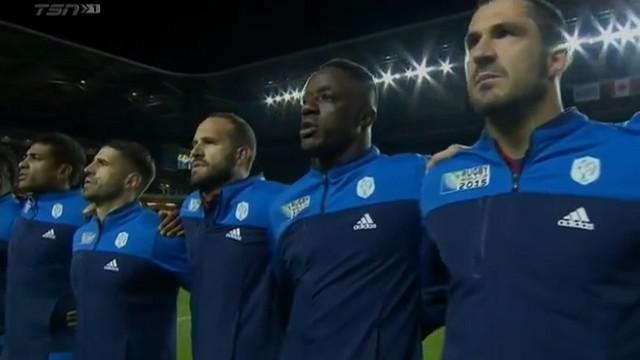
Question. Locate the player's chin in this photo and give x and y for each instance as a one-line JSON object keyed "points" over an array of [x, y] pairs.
{"points": [[487, 104], [25, 186], [198, 178], [89, 195], [310, 145]]}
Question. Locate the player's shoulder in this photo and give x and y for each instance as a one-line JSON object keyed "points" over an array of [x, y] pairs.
{"points": [[145, 219], [143, 227], [301, 187], [264, 190], [9, 205], [615, 141], [631, 126], [633, 123], [401, 162], [64, 207]]}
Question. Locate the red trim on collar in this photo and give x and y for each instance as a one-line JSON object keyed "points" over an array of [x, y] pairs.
{"points": [[514, 165]]}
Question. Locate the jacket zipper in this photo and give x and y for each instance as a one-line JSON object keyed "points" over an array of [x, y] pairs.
{"points": [[325, 188]]}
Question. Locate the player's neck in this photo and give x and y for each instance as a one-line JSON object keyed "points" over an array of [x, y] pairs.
{"points": [[54, 188], [105, 208], [350, 153], [211, 191], [512, 128]]}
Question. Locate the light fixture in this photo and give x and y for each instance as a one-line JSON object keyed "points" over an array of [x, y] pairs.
{"points": [[614, 34]]}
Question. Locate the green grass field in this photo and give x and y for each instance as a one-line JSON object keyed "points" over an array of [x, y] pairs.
{"points": [[432, 346]]}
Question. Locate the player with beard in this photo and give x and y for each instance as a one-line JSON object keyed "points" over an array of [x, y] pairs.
{"points": [[125, 275], [545, 263], [234, 308]]}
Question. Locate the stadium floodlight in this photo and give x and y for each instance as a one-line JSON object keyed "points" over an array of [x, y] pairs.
{"points": [[422, 70], [387, 78], [409, 73], [574, 42], [269, 100], [446, 67], [615, 33]]}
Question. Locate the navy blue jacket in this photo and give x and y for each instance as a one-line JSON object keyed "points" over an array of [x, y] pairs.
{"points": [[346, 246], [9, 211], [125, 278], [234, 309], [545, 264], [38, 288]]}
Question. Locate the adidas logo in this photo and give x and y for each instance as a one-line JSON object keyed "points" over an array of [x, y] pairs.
{"points": [[112, 266], [577, 219], [234, 234], [365, 223], [49, 234]]}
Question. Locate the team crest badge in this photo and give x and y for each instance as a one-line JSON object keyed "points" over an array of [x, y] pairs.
{"points": [[366, 187], [121, 240], [242, 211], [57, 210], [585, 170], [194, 204], [294, 208]]}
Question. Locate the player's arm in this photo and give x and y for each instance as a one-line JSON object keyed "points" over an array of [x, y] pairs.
{"points": [[283, 283], [434, 278], [171, 254], [433, 282]]}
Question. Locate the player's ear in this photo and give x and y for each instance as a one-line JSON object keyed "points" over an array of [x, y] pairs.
{"points": [[559, 61], [243, 155], [368, 117], [65, 171], [133, 181]]}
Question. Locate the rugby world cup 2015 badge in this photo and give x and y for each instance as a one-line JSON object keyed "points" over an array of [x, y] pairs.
{"points": [[292, 209], [467, 179]]}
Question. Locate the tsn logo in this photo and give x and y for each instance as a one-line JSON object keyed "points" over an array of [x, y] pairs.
{"points": [[66, 9]]}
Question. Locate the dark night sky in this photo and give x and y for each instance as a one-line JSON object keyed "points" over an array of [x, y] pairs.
{"points": [[215, 36]]}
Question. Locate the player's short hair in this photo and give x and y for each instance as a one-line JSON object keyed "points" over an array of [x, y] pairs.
{"points": [[65, 150], [549, 19], [242, 133], [139, 158], [357, 72], [8, 164]]}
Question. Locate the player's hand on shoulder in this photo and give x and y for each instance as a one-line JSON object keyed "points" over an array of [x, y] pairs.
{"points": [[170, 225], [445, 154]]}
